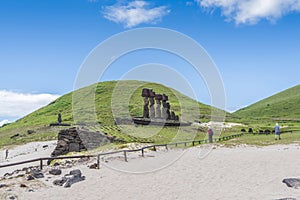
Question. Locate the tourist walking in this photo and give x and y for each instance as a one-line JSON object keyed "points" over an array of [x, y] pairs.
{"points": [[277, 131], [210, 134], [6, 154]]}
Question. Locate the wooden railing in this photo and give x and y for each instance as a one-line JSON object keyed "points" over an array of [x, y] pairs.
{"points": [[125, 152]]}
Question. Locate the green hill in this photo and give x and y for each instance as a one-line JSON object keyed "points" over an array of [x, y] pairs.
{"points": [[284, 106], [106, 108]]}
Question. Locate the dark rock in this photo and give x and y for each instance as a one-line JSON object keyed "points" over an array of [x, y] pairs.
{"points": [[30, 131], [267, 131], [15, 135], [73, 177], [37, 174], [93, 166], [2, 185], [25, 169], [56, 164], [12, 197], [68, 162], [7, 174], [292, 182], [23, 185], [75, 173], [49, 161], [60, 182], [73, 180], [55, 172], [59, 124], [16, 171], [243, 130], [45, 146], [287, 199], [81, 160], [30, 177], [30, 190]]}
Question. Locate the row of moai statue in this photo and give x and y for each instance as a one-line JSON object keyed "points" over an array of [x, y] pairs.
{"points": [[157, 111]]}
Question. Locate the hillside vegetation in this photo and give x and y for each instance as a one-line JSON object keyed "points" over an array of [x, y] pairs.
{"points": [[108, 105], [281, 107]]}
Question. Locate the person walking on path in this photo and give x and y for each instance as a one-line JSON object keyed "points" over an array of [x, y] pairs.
{"points": [[277, 132], [6, 154], [210, 134]]}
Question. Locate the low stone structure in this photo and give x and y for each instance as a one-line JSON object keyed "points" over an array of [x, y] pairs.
{"points": [[76, 140]]}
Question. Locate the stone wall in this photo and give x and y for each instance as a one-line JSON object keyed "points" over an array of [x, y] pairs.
{"points": [[76, 140]]}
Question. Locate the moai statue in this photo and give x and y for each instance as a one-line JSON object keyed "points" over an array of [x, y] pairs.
{"points": [[168, 111], [146, 94], [176, 118], [158, 99], [165, 107], [173, 117], [152, 108], [59, 120]]}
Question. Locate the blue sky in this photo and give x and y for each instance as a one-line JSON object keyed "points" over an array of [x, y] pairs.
{"points": [[255, 44]]}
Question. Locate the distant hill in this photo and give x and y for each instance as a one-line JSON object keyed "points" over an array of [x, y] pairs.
{"points": [[40, 119], [284, 106]]}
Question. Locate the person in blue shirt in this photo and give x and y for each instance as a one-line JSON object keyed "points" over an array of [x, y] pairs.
{"points": [[277, 132]]}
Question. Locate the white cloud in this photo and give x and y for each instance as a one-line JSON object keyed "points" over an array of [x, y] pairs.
{"points": [[134, 13], [252, 11], [16, 105], [5, 121]]}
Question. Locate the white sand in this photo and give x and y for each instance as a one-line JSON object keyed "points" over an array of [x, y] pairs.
{"points": [[226, 173], [28, 151]]}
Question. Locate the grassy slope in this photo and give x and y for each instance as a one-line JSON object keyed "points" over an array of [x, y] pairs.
{"points": [[263, 140], [40, 119], [284, 106]]}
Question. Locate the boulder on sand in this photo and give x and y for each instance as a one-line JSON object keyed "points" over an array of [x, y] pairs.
{"points": [[292, 182]]}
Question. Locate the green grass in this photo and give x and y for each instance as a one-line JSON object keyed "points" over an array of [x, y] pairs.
{"points": [[108, 96], [104, 95], [41, 134], [264, 140], [282, 107]]}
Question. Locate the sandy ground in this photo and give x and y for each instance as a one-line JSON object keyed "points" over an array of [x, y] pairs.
{"points": [[226, 173], [25, 152]]}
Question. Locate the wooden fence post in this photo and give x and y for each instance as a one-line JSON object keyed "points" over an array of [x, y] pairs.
{"points": [[41, 164], [98, 161], [125, 156], [143, 152]]}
